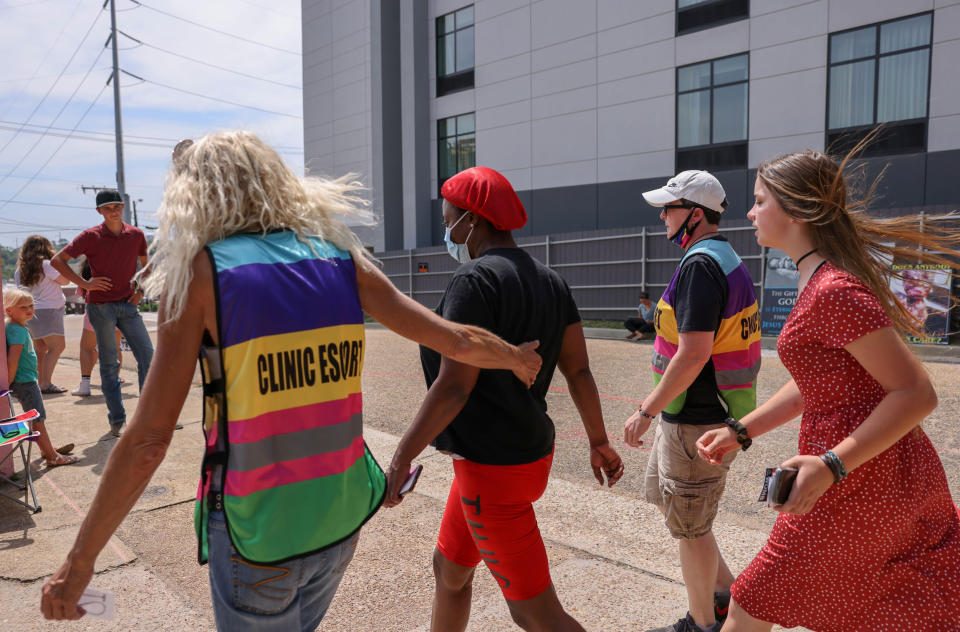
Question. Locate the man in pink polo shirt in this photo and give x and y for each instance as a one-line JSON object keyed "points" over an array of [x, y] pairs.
{"points": [[113, 250]]}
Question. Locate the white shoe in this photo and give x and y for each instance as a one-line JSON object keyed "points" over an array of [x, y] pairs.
{"points": [[81, 391]]}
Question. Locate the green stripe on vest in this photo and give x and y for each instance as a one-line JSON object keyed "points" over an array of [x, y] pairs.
{"points": [[340, 500]]}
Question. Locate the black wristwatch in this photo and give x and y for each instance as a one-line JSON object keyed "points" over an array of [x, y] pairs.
{"points": [[742, 437]]}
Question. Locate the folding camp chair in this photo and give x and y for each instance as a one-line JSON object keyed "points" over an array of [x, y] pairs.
{"points": [[14, 432]]}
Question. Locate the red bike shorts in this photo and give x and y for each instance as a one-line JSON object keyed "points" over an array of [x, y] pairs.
{"points": [[489, 516]]}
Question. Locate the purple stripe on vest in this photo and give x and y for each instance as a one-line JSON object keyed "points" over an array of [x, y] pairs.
{"points": [[305, 295], [742, 295]]}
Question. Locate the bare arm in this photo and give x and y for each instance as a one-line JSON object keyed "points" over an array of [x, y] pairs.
{"points": [[574, 364], [463, 343], [141, 448], [60, 263], [910, 397], [59, 279], [785, 405], [693, 352], [446, 397], [13, 360]]}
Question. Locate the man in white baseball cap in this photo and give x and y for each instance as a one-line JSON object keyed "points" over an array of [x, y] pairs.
{"points": [[689, 190], [705, 361]]}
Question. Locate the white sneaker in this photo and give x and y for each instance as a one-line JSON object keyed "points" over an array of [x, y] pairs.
{"points": [[81, 391]]}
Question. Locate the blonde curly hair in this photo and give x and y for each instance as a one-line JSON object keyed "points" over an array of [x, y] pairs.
{"points": [[233, 182]]}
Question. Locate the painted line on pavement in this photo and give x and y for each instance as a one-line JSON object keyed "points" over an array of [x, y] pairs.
{"points": [[69, 501]]}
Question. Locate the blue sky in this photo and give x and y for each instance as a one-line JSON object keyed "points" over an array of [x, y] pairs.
{"points": [[41, 87]]}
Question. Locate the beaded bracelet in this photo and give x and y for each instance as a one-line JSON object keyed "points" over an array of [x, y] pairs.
{"points": [[644, 413], [835, 464]]}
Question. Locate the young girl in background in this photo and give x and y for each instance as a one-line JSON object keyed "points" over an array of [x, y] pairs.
{"points": [[22, 369]]}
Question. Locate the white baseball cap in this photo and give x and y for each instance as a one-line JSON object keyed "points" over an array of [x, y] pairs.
{"points": [[699, 187]]}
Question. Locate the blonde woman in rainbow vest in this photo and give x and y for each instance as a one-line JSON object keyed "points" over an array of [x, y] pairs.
{"points": [[706, 357], [258, 277]]}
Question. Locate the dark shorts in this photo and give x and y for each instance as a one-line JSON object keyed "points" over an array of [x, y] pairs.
{"points": [[28, 394], [489, 516]]}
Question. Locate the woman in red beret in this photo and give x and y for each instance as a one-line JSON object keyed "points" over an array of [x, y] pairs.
{"points": [[496, 428]]}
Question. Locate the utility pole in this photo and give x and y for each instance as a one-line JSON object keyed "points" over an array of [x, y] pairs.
{"points": [[121, 182]]}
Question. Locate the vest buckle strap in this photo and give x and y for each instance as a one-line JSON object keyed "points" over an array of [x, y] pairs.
{"points": [[214, 387], [215, 501]]}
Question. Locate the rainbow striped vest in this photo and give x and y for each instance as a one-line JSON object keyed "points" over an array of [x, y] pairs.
{"points": [[736, 345], [285, 456]]}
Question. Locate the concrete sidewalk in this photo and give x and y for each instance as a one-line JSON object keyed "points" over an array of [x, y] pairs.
{"points": [[612, 561]]}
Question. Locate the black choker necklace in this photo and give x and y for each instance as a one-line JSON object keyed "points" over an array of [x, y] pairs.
{"points": [[804, 257]]}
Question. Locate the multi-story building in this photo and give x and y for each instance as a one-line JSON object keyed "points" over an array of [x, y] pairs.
{"points": [[584, 104]]}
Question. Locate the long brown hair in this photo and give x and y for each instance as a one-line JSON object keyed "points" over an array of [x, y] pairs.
{"points": [[30, 260], [812, 187]]}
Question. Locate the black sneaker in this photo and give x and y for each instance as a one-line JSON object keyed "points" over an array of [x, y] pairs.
{"points": [[686, 624], [721, 606]]}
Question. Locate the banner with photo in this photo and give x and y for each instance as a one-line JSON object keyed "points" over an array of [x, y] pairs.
{"points": [[779, 292], [925, 291]]}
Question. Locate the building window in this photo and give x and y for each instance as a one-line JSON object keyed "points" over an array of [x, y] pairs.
{"points": [[712, 114], [457, 146], [696, 15], [880, 74], [455, 51]]}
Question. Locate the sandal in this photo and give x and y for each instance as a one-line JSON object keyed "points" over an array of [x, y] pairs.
{"points": [[62, 459], [53, 389], [66, 449]]}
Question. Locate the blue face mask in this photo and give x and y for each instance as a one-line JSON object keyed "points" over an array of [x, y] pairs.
{"points": [[460, 252]]}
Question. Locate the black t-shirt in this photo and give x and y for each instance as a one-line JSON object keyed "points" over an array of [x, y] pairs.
{"points": [[510, 293], [700, 297]]}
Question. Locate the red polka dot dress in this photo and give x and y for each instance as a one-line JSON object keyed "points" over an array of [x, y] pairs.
{"points": [[879, 551]]}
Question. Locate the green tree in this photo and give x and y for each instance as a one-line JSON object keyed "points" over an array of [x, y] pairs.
{"points": [[9, 258]]}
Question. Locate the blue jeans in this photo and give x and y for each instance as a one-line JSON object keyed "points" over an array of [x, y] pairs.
{"points": [[292, 595], [105, 318]]}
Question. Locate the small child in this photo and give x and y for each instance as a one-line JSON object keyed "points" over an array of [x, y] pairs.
{"points": [[22, 369]]}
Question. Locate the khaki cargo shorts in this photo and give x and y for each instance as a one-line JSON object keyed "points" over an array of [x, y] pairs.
{"points": [[681, 483]]}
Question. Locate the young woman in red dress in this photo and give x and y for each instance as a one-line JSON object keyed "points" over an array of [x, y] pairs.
{"points": [[869, 538]]}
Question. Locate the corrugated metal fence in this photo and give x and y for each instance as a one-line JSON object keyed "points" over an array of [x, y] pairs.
{"points": [[606, 269]]}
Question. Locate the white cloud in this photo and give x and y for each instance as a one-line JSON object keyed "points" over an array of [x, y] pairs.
{"points": [[29, 36]]}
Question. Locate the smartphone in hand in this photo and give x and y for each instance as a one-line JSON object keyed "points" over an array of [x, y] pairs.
{"points": [[777, 484], [412, 479]]}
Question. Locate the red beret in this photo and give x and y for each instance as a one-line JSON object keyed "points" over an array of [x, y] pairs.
{"points": [[488, 194]]}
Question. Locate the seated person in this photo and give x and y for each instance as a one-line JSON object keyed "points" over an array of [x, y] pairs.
{"points": [[641, 324]]}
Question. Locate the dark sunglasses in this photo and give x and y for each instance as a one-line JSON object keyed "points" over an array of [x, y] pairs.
{"points": [[667, 207]]}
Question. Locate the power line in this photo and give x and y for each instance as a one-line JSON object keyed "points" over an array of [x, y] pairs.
{"points": [[52, 229], [209, 28], [59, 147], [28, 79], [24, 4], [198, 61], [108, 137], [57, 80], [55, 118], [75, 136], [205, 96], [79, 182], [86, 208]]}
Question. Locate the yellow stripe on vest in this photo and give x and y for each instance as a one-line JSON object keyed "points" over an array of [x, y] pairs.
{"points": [[666, 322], [744, 325], [284, 371]]}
